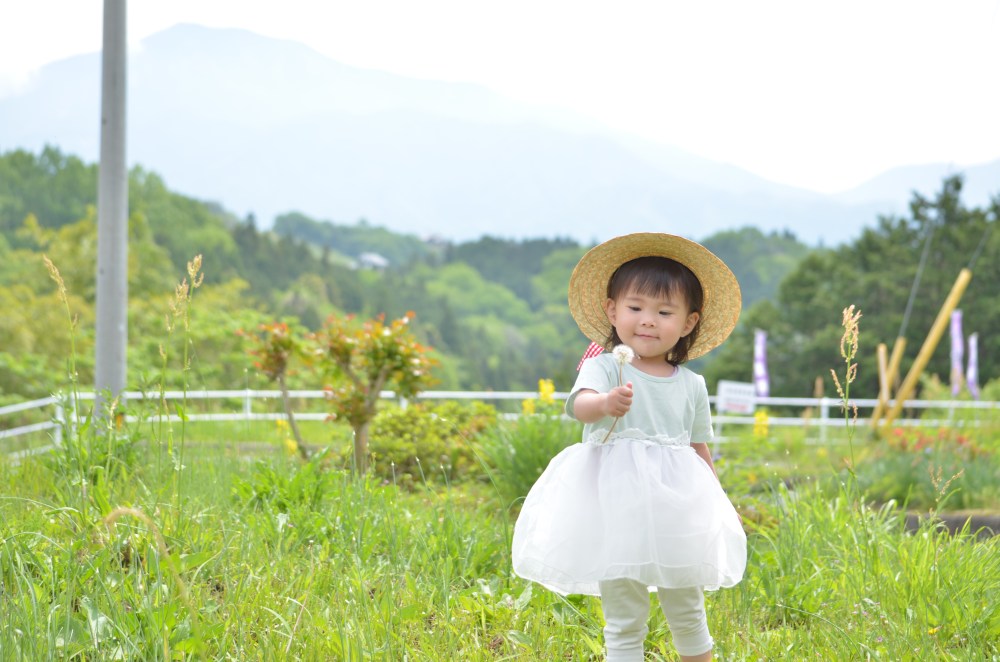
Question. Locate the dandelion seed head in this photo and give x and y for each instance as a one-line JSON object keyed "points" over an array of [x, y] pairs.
{"points": [[623, 354]]}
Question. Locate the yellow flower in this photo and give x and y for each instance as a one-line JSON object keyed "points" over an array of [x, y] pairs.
{"points": [[760, 424], [290, 446], [546, 389], [528, 407]]}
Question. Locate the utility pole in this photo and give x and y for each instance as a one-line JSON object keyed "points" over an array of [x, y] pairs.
{"points": [[112, 210]]}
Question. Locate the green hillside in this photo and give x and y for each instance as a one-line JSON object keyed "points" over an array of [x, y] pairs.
{"points": [[493, 309]]}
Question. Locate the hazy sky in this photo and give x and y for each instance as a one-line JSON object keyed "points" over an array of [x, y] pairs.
{"points": [[817, 95]]}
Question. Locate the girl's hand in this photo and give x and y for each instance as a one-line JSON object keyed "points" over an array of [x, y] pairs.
{"points": [[618, 400]]}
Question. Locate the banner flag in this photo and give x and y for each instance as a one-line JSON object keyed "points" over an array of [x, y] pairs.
{"points": [[972, 371], [761, 381], [957, 345]]}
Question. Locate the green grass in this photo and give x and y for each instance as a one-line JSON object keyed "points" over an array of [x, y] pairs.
{"points": [[266, 558]]}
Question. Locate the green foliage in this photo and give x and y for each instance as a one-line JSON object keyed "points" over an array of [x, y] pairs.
{"points": [[928, 469], [844, 580], [511, 264], [350, 241], [255, 552], [294, 278], [182, 226], [368, 358], [54, 187], [762, 261], [875, 274], [494, 309], [282, 489], [518, 451], [429, 442]]}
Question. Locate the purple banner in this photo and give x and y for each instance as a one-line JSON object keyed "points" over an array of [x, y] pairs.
{"points": [[761, 381], [957, 345], [972, 371]]}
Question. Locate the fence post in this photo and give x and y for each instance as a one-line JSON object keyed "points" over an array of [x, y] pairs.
{"points": [[824, 417], [247, 410]]}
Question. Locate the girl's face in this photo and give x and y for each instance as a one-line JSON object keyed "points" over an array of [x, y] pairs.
{"points": [[651, 325]]}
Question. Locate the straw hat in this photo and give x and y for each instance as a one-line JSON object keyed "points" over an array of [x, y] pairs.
{"points": [[588, 286]]}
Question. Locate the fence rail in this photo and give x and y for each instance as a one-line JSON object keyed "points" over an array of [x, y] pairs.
{"points": [[822, 413]]}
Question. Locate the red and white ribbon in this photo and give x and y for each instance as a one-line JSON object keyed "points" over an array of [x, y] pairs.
{"points": [[593, 350]]}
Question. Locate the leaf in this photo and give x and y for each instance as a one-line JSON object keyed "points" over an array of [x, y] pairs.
{"points": [[524, 599], [188, 562], [411, 613], [520, 638]]}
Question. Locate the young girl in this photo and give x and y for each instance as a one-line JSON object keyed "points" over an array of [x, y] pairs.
{"points": [[637, 507]]}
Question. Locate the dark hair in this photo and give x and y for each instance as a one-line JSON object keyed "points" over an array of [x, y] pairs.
{"points": [[659, 277]]}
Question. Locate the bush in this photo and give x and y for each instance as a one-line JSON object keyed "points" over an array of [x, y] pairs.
{"points": [[518, 451], [928, 469], [428, 441]]}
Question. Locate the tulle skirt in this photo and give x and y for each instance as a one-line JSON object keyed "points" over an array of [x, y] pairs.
{"points": [[628, 509]]}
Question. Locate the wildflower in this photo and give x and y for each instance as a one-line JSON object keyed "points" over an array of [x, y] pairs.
{"points": [[193, 267], [290, 446], [56, 276], [623, 354], [760, 424], [545, 391], [528, 407]]}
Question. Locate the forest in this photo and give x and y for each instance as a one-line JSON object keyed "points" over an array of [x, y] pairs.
{"points": [[493, 310]]}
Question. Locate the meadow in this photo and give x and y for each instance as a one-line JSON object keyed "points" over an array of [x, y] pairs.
{"points": [[145, 538], [169, 541]]}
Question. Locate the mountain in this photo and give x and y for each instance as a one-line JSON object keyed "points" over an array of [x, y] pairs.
{"points": [[267, 126], [894, 188]]}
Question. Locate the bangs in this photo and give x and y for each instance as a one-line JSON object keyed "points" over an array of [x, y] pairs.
{"points": [[658, 277]]}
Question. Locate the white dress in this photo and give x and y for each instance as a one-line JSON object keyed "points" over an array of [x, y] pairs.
{"points": [[641, 505]]}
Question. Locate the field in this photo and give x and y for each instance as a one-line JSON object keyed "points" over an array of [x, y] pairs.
{"points": [[163, 544]]}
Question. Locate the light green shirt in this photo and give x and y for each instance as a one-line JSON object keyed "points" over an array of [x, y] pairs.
{"points": [[667, 410]]}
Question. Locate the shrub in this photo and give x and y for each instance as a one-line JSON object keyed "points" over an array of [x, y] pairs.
{"points": [[518, 451], [279, 489], [925, 469], [428, 441]]}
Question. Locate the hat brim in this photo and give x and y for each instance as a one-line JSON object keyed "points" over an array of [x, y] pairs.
{"points": [[588, 286]]}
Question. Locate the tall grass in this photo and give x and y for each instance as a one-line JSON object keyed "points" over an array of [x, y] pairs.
{"points": [[225, 556], [285, 560]]}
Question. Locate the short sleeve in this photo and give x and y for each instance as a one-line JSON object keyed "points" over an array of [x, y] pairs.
{"points": [[595, 376], [701, 431]]}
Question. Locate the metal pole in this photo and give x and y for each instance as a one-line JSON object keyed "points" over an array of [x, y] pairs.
{"points": [[112, 210]]}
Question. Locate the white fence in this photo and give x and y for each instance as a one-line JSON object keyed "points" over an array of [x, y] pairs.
{"points": [[821, 413]]}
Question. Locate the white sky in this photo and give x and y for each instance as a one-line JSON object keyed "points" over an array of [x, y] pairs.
{"points": [[818, 95]]}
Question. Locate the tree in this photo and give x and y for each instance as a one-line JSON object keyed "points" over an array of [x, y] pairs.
{"points": [[875, 274], [364, 360], [273, 347]]}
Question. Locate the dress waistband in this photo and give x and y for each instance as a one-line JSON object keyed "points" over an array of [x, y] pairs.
{"points": [[602, 438]]}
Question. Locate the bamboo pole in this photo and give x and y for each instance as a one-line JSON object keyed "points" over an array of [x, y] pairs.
{"points": [[909, 384], [883, 373], [891, 377]]}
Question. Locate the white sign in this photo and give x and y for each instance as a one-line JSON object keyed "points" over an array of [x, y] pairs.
{"points": [[735, 397]]}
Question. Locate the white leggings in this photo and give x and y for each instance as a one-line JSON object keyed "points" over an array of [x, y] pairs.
{"points": [[626, 611]]}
